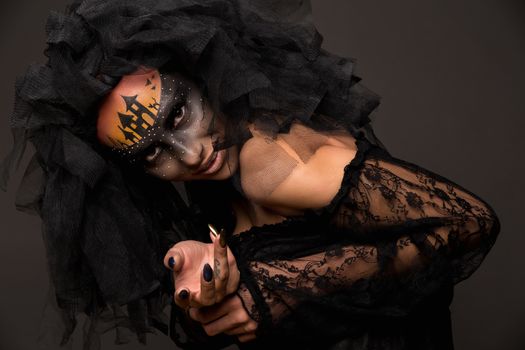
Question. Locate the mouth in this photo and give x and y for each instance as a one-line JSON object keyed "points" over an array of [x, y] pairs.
{"points": [[213, 164]]}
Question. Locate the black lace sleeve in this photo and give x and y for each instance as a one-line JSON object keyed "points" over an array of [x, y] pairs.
{"points": [[395, 235]]}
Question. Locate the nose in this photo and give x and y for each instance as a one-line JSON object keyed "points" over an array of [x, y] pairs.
{"points": [[188, 152], [193, 157]]}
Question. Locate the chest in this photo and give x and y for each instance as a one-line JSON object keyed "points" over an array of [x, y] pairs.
{"points": [[248, 214], [269, 164]]}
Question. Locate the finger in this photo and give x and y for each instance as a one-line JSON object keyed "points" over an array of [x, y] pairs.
{"points": [[182, 298], [226, 323], [234, 275], [220, 266], [214, 312], [249, 327], [204, 316], [174, 259], [195, 314], [207, 292], [246, 337]]}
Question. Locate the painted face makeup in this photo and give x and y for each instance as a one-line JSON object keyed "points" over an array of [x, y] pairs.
{"points": [[162, 122]]}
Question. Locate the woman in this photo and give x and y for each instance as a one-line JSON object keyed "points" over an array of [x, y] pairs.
{"points": [[337, 244], [396, 216]]}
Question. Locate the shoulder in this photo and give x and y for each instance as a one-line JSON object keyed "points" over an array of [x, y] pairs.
{"points": [[275, 176]]}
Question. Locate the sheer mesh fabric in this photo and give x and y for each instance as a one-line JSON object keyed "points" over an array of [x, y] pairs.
{"points": [[272, 158], [390, 245], [304, 141]]}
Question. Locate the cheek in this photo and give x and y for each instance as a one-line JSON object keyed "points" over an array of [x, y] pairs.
{"points": [[168, 169], [204, 115]]}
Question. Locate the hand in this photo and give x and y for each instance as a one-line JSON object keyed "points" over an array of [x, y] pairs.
{"points": [[196, 283], [228, 316]]}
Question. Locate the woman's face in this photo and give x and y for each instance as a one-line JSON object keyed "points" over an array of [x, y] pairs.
{"points": [[164, 123]]}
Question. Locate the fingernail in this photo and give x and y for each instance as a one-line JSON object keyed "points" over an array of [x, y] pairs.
{"points": [[222, 238], [171, 262], [207, 273], [213, 230], [183, 294]]}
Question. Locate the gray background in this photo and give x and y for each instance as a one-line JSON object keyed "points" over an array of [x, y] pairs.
{"points": [[452, 80]]}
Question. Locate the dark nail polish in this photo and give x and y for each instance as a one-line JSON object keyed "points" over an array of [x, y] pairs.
{"points": [[207, 273], [222, 238], [171, 262], [183, 294]]}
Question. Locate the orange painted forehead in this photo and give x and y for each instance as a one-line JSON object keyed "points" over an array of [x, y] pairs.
{"points": [[130, 110]]}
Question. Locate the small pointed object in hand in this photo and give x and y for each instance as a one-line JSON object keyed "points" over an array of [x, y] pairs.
{"points": [[213, 230]]}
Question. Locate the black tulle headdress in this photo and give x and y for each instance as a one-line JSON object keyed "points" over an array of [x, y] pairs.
{"points": [[105, 229]]}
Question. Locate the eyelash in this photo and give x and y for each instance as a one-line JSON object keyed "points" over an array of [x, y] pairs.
{"points": [[155, 150], [170, 121]]}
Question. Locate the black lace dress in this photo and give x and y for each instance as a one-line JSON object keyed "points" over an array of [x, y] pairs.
{"points": [[374, 269]]}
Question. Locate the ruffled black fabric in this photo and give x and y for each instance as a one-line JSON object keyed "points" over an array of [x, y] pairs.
{"points": [[107, 228]]}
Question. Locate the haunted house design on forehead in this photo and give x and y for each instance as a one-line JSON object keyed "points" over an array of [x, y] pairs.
{"points": [[132, 111], [135, 126]]}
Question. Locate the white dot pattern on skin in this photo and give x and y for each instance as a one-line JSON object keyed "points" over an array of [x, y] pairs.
{"points": [[129, 149]]}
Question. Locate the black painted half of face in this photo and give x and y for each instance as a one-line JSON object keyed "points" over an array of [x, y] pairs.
{"points": [[183, 133]]}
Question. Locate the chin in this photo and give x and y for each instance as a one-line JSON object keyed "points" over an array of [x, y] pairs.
{"points": [[231, 163]]}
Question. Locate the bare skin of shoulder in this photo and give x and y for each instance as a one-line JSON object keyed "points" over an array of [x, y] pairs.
{"points": [[309, 185]]}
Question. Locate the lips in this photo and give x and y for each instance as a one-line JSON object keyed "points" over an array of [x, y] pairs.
{"points": [[208, 163]]}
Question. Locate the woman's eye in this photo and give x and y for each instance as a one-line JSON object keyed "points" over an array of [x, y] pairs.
{"points": [[176, 115], [152, 154]]}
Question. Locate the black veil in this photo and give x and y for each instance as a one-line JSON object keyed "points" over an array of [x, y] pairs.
{"points": [[106, 228]]}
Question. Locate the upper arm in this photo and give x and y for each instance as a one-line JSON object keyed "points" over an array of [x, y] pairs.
{"points": [[274, 177]]}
